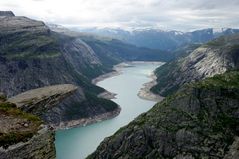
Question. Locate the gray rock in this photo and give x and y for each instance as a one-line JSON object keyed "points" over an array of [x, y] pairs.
{"points": [[40, 146], [38, 101], [199, 121], [7, 13], [216, 57]]}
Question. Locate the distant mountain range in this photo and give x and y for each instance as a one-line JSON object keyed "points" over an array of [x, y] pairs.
{"points": [[160, 39]]}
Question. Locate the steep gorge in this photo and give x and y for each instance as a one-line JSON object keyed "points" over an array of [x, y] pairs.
{"points": [[32, 56], [199, 121]]}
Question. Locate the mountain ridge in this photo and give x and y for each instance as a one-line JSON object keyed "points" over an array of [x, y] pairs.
{"points": [[160, 39], [214, 57]]}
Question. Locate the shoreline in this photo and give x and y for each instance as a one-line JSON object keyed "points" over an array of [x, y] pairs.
{"points": [[97, 118], [86, 121], [117, 70], [145, 93]]}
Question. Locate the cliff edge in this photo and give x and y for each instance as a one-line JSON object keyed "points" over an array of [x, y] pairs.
{"points": [[24, 135]]}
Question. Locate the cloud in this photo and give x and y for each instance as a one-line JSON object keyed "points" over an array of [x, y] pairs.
{"points": [[168, 14]]}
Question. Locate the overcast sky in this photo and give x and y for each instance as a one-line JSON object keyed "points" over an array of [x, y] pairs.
{"points": [[182, 15]]}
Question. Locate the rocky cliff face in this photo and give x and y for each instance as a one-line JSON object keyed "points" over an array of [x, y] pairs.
{"points": [[32, 56], [23, 135], [199, 121], [40, 146], [215, 57], [38, 101]]}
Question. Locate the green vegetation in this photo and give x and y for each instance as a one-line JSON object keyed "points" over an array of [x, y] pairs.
{"points": [[227, 80], [83, 81], [217, 42], [25, 45], [103, 105], [14, 137], [2, 97], [9, 112], [106, 104]]}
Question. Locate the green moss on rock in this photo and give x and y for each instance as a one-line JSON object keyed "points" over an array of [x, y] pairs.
{"points": [[20, 126]]}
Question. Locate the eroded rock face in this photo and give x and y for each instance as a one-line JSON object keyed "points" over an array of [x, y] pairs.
{"points": [[200, 121], [38, 101], [40, 146], [213, 58]]}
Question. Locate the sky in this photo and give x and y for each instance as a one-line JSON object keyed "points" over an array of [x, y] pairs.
{"points": [[182, 15]]}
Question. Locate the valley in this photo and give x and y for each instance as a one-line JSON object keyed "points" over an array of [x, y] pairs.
{"points": [[108, 93], [126, 86]]}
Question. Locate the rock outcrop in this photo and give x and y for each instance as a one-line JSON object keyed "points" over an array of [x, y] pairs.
{"points": [[24, 135], [200, 121], [38, 101], [40, 146], [215, 57], [7, 13]]}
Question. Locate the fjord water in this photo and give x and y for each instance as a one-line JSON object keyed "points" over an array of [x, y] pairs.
{"points": [[78, 143]]}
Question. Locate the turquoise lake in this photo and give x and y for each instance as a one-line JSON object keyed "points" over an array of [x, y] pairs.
{"points": [[78, 143]]}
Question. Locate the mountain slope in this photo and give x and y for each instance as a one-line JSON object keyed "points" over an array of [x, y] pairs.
{"points": [[215, 57], [110, 49], [155, 38], [32, 56], [119, 50], [199, 121]]}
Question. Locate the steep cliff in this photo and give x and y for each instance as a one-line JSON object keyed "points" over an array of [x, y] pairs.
{"points": [[23, 135], [199, 121], [215, 57], [33, 56]]}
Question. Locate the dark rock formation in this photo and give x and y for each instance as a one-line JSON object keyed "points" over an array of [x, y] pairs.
{"points": [[199, 121], [7, 13]]}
